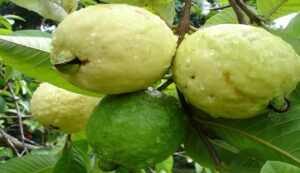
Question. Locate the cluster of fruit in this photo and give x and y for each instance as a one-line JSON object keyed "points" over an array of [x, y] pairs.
{"points": [[119, 50]]}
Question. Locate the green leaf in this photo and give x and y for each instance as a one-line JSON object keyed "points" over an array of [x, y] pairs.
{"points": [[279, 167], [5, 31], [2, 105], [31, 56], [293, 41], [5, 23], [272, 9], [71, 161], [14, 17], [32, 163], [164, 8], [32, 33], [196, 149], [293, 28], [166, 11], [165, 166], [225, 16], [271, 136], [46, 8]]}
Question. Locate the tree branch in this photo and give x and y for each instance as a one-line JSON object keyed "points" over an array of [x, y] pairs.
{"points": [[183, 26], [238, 12], [220, 8], [165, 85], [19, 116], [14, 143], [252, 16]]}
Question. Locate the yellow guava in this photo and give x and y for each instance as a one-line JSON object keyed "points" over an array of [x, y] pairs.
{"points": [[136, 130], [234, 71], [113, 48], [61, 109]]}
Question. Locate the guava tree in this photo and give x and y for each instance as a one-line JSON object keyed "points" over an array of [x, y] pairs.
{"points": [[135, 86]]}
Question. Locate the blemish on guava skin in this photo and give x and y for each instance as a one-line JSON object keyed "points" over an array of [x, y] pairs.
{"points": [[84, 62], [193, 77], [226, 77]]}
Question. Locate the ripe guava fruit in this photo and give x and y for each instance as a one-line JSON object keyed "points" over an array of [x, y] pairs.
{"points": [[136, 130], [235, 71], [61, 109], [113, 48]]}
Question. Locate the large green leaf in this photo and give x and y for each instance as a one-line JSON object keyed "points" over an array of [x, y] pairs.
{"points": [[30, 55], [46, 8], [272, 9], [272, 136], [293, 28], [233, 160], [279, 167], [33, 163]]}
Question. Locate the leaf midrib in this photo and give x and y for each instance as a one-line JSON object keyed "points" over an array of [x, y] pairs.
{"points": [[252, 137]]}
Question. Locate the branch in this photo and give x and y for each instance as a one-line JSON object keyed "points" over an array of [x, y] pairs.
{"points": [[252, 16], [220, 8], [165, 85], [14, 143], [238, 12], [19, 116], [183, 26]]}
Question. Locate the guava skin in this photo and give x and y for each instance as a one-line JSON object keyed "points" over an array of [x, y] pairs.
{"points": [[61, 109], [136, 130], [234, 71], [120, 48]]}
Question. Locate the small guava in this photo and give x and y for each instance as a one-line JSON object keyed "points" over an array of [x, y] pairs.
{"points": [[61, 109], [136, 130], [235, 71], [113, 48]]}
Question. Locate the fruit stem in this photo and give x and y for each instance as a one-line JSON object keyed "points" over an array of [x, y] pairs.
{"points": [[279, 104]]}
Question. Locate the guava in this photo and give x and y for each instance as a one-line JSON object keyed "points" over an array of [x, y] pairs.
{"points": [[61, 109], [235, 71], [113, 48], [136, 130]]}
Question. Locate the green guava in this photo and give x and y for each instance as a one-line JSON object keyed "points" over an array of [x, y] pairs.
{"points": [[113, 48], [61, 109], [235, 71], [136, 130]]}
